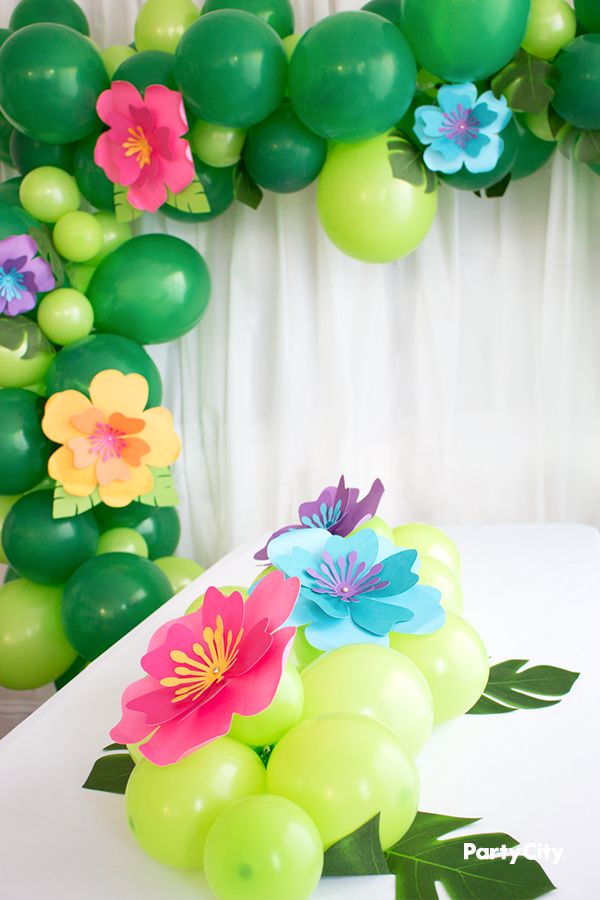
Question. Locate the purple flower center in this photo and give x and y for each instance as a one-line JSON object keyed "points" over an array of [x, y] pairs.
{"points": [[460, 126], [11, 284], [346, 578]]}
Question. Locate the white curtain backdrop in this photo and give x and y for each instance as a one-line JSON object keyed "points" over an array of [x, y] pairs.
{"points": [[466, 376]]}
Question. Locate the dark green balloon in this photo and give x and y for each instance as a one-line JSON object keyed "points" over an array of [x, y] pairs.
{"points": [[464, 40], [352, 76], [61, 12], [90, 178], [479, 181], [158, 525], [282, 154], [146, 68], [388, 9], [588, 14], [77, 667], [279, 14], [107, 597], [218, 184], [50, 79], [14, 220], [28, 154], [532, 153], [153, 288], [231, 68], [6, 132], [9, 191], [75, 366], [595, 168], [4, 34], [577, 97], [44, 549], [10, 575], [24, 449]]}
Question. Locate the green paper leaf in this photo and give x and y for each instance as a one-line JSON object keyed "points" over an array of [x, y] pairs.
{"points": [[124, 211], [66, 505], [22, 338], [110, 774], [163, 493], [191, 199], [420, 859], [581, 146], [110, 747], [509, 688], [245, 189], [499, 189], [407, 164], [555, 122], [358, 853], [527, 82], [43, 238]]}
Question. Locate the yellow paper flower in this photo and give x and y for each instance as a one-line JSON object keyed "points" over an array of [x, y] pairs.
{"points": [[109, 441]]}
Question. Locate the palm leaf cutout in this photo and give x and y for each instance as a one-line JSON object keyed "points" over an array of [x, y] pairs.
{"points": [[582, 146], [66, 505], [407, 164], [358, 853], [110, 773], [191, 199], [245, 189], [527, 82], [509, 688], [46, 249], [124, 211], [163, 493], [22, 338]]}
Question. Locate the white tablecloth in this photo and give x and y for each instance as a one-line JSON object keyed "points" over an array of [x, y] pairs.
{"points": [[533, 592]]}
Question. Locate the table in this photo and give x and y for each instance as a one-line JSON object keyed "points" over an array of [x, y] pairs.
{"points": [[532, 591]]}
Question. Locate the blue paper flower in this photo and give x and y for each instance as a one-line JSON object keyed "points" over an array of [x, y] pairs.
{"points": [[462, 130], [354, 589]]}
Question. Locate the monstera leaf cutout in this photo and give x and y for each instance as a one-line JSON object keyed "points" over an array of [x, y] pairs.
{"points": [[124, 211], [22, 338], [510, 687], [527, 83], [407, 164], [191, 199]]}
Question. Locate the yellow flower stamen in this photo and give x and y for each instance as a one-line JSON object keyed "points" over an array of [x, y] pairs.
{"points": [[208, 667], [138, 146]]}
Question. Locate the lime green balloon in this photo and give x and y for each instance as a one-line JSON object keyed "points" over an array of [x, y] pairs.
{"points": [[27, 154], [33, 646], [588, 13], [79, 276], [91, 180], [114, 234], [578, 87], [149, 67], [218, 187], [65, 316], [262, 848], [179, 571], [464, 180], [379, 526], [454, 662], [533, 153], [25, 354], [134, 749], [6, 501], [216, 145], [77, 236], [160, 25], [170, 809], [61, 12], [434, 573], [302, 653], [551, 25], [343, 770], [122, 540], [158, 525], [279, 14], [24, 449], [231, 68], [429, 541], [539, 125], [113, 56], [50, 79], [268, 726], [49, 193], [225, 589], [365, 211], [372, 681]]}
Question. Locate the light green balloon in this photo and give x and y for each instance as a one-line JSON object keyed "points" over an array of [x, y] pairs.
{"points": [[179, 571], [170, 809], [122, 540], [552, 24], [77, 236], [160, 25], [225, 589], [373, 681], [268, 726], [47, 193], [302, 653], [216, 145], [113, 235], [453, 660], [28, 355], [65, 316], [134, 749], [262, 848], [379, 526], [290, 43], [428, 541], [435, 574], [343, 770], [113, 56]]}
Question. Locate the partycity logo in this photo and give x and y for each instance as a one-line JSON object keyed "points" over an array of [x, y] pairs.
{"points": [[532, 851]]}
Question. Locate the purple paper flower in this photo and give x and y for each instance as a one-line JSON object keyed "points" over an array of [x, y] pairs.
{"points": [[336, 509], [23, 274]]}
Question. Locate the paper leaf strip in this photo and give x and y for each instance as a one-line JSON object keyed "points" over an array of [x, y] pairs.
{"points": [[358, 853], [66, 505], [163, 493], [110, 773], [124, 211], [191, 199], [510, 687]]}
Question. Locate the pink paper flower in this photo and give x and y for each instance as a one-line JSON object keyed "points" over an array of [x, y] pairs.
{"points": [[225, 658], [144, 149]]}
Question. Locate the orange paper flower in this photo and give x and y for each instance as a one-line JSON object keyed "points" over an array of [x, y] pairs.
{"points": [[109, 441]]}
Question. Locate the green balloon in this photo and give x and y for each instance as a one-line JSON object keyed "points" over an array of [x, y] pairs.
{"points": [[77, 667], [9, 191], [218, 185], [216, 145], [435, 574], [352, 76], [50, 79], [577, 97], [146, 68], [464, 40], [532, 152], [282, 154], [28, 154], [595, 168], [279, 14], [388, 9], [33, 647], [464, 180], [588, 14], [90, 178], [44, 549], [284, 711], [166, 273], [108, 596], [14, 220], [231, 68], [4, 34], [122, 540], [428, 541], [61, 12], [24, 449], [25, 352], [75, 365], [6, 132], [179, 571], [10, 575], [158, 525]]}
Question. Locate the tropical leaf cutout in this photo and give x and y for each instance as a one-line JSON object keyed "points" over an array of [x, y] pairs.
{"points": [[358, 853], [66, 505], [22, 338], [527, 82], [42, 237], [245, 188], [407, 164], [124, 211], [191, 199], [420, 859], [110, 773], [510, 687], [163, 493], [581, 146], [110, 747]]}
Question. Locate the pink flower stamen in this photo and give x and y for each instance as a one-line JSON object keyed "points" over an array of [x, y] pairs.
{"points": [[138, 145], [107, 442]]}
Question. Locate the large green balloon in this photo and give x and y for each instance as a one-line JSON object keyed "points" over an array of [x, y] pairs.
{"points": [[27, 154], [158, 525], [282, 154], [279, 14], [44, 549], [90, 178], [352, 76], [218, 185], [479, 181], [61, 12], [152, 289], [24, 449], [532, 152], [388, 9], [75, 365], [50, 79], [464, 40], [108, 596], [577, 97], [6, 132], [146, 68], [588, 13], [231, 68]]}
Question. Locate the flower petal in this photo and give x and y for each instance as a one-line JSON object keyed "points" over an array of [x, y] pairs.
{"points": [[255, 691], [437, 162], [499, 106], [21, 304], [281, 549], [356, 513], [450, 95], [179, 172], [59, 409], [168, 108], [126, 424], [273, 598], [111, 390], [134, 451], [111, 470], [397, 569], [149, 196], [182, 735], [229, 607], [86, 422], [83, 455], [18, 245], [107, 157], [378, 618], [79, 482], [159, 434], [42, 273], [487, 159], [428, 615], [121, 493], [132, 726], [327, 634], [433, 120], [117, 99]]}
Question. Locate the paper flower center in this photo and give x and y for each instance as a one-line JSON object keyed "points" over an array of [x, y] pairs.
{"points": [[206, 667], [11, 284], [460, 126], [346, 578], [107, 441], [325, 518], [139, 146]]}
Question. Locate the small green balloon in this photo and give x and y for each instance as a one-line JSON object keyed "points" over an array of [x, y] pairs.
{"points": [[44, 549], [49, 193], [77, 236], [122, 540], [65, 316], [588, 14], [113, 56], [90, 178], [268, 726], [429, 541], [108, 596], [158, 525], [160, 25], [434, 573], [25, 354], [578, 88], [533, 153], [464, 180], [218, 186], [179, 571], [551, 25], [379, 526], [27, 154], [24, 449], [279, 14], [146, 68], [171, 809], [61, 12], [114, 234], [302, 653], [388, 9], [263, 847], [216, 145], [33, 646]]}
